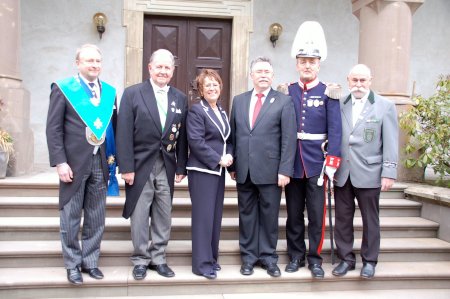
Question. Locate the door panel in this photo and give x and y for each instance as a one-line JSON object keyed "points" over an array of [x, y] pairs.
{"points": [[170, 34], [210, 47], [197, 44]]}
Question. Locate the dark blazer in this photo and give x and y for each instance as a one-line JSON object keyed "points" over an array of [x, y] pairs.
{"points": [[140, 141], [66, 140], [269, 148], [208, 141]]}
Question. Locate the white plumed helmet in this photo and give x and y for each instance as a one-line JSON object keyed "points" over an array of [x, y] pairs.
{"points": [[309, 41]]}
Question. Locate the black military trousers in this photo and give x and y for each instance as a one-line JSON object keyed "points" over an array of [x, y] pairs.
{"points": [[301, 193]]}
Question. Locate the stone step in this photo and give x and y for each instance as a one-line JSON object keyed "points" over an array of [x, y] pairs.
{"points": [[27, 254], [46, 184], [366, 294], [47, 228], [51, 282], [48, 207]]}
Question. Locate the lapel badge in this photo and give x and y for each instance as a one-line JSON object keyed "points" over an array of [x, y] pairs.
{"points": [[176, 134], [171, 137], [178, 111], [172, 104], [179, 125], [174, 128], [272, 100], [321, 103], [172, 109], [310, 103], [169, 147]]}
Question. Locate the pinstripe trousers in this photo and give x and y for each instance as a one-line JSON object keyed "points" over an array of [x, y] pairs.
{"points": [[155, 201], [90, 197]]}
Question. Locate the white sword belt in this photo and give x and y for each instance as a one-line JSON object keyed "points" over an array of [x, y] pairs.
{"points": [[308, 136]]}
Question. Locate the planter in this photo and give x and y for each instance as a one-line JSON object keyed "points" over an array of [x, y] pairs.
{"points": [[4, 158]]}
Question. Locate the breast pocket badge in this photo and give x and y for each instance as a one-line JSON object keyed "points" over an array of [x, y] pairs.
{"points": [[369, 134]]}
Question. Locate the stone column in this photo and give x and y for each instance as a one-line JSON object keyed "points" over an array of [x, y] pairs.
{"points": [[385, 46], [15, 111]]}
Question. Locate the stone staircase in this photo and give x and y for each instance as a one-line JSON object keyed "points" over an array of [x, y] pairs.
{"points": [[31, 265]]}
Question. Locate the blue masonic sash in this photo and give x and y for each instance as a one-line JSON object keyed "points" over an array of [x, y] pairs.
{"points": [[96, 118]]}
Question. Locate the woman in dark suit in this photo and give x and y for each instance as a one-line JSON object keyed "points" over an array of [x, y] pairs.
{"points": [[208, 130]]}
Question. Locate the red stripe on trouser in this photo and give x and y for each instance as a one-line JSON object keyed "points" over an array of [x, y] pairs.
{"points": [[325, 181]]}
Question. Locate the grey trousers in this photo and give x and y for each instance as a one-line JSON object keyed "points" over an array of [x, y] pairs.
{"points": [[155, 201], [91, 197]]}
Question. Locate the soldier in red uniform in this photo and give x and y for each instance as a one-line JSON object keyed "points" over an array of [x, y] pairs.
{"points": [[318, 119]]}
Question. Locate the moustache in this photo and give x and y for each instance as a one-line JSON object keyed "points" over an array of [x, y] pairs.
{"points": [[360, 89]]}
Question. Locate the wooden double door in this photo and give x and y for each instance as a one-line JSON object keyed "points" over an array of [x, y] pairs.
{"points": [[196, 43]]}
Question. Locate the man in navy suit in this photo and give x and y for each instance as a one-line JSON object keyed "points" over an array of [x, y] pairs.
{"points": [[263, 129], [152, 153]]}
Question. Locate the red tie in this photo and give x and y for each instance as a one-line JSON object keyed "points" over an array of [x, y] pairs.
{"points": [[258, 106]]}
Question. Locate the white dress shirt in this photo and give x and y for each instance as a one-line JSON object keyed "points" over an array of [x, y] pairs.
{"points": [[357, 107], [161, 101]]}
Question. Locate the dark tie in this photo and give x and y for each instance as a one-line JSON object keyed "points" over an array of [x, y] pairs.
{"points": [[92, 85], [258, 106]]}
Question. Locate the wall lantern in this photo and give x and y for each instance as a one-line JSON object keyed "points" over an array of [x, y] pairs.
{"points": [[275, 31], [100, 22]]}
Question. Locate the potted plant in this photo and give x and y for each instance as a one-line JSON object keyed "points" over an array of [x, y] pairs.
{"points": [[6, 151]]}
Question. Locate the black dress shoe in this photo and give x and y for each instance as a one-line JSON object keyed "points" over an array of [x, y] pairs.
{"points": [[210, 275], [216, 267], [162, 270], [246, 269], [316, 271], [294, 265], [74, 276], [272, 269], [93, 272], [342, 268], [139, 272], [367, 271]]}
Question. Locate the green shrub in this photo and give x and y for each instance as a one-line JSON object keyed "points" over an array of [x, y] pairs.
{"points": [[427, 124]]}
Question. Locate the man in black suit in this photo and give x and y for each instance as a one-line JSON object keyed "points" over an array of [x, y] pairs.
{"points": [[81, 108], [151, 149], [263, 129]]}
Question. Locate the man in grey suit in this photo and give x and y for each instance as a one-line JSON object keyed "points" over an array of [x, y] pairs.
{"points": [[81, 108], [263, 130], [152, 153], [368, 165]]}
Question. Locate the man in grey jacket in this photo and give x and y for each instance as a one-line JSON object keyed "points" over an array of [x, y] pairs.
{"points": [[368, 166]]}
